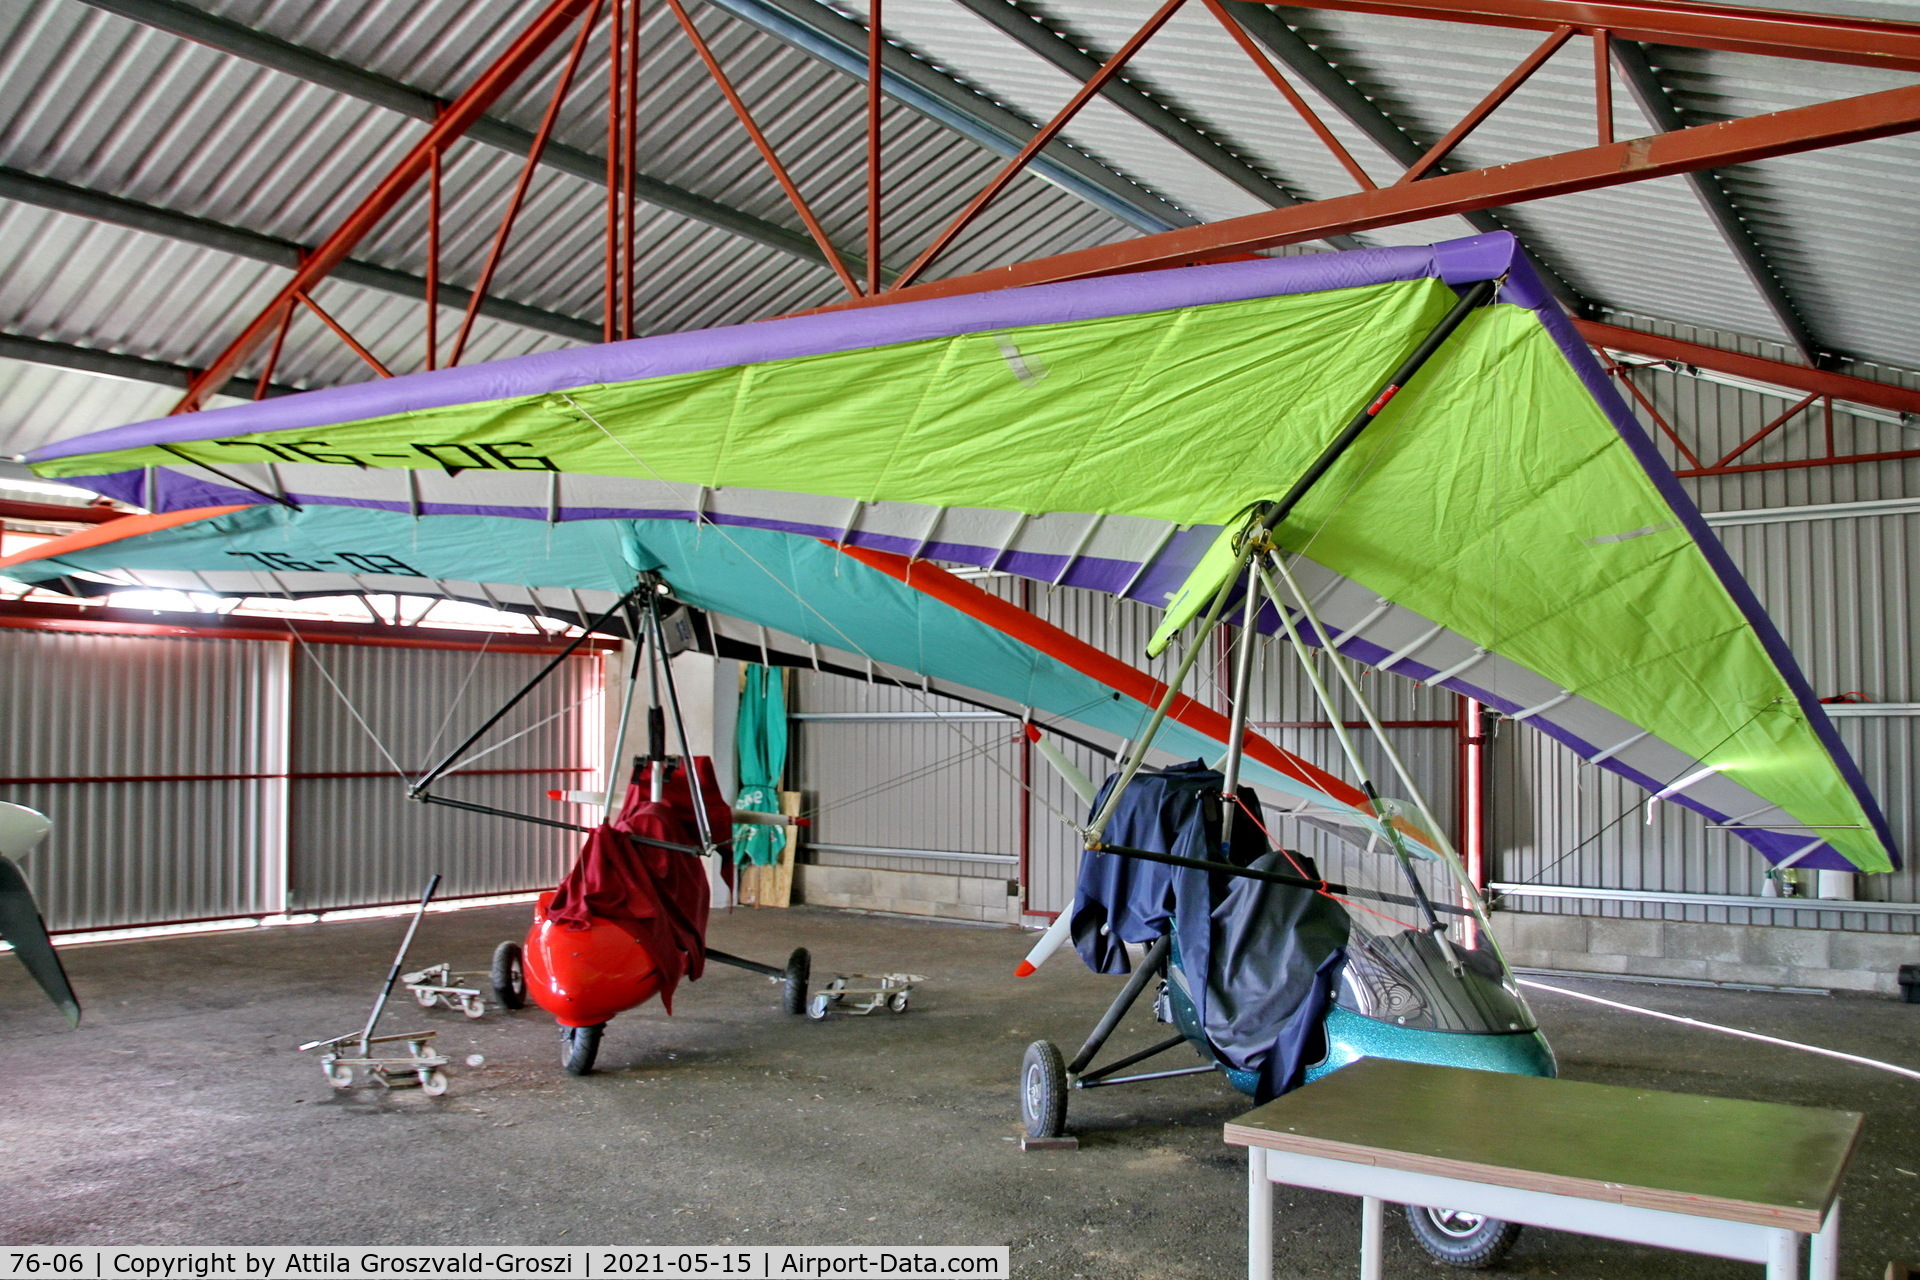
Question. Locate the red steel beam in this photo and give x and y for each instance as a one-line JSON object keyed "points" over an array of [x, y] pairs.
{"points": [[1061, 118], [876, 45], [1827, 124], [454, 121], [57, 615], [1800, 464], [1816, 37], [1793, 377], [521, 185], [124, 778], [1488, 105], [1764, 432], [57, 512], [1299, 104], [340, 332], [767, 153], [1620, 373]]}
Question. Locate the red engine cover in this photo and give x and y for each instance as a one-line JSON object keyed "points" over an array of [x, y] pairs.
{"points": [[585, 976]]}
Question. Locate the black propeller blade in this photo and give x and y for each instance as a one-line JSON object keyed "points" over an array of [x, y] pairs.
{"points": [[21, 925]]}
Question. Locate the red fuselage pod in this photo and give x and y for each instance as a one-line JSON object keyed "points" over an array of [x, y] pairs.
{"points": [[585, 976]]}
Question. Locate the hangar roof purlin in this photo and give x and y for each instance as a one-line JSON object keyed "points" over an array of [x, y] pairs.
{"points": [[106, 95]]}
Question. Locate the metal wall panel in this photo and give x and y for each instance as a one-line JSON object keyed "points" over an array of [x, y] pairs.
{"points": [[889, 783], [1842, 592], [152, 709], [901, 783], [359, 840]]}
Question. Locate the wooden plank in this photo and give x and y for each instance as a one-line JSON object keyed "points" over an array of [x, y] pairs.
{"points": [[783, 870], [772, 885], [1759, 1162]]}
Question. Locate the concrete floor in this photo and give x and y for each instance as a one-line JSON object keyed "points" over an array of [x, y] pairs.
{"points": [[179, 1113]]}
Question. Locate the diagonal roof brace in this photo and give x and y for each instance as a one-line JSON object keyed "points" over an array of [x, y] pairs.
{"points": [[1032, 32], [232, 38], [1644, 83], [1366, 115], [64, 198], [841, 43]]}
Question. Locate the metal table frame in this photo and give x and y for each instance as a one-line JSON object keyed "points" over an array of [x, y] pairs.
{"points": [[1776, 1247]]}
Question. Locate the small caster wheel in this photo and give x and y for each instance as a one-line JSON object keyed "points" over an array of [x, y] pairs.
{"points": [[509, 976], [339, 1076], [897, 1002], [1459, 1239], [424, 999], [579, 1046], [818, 1006], [473, 1006], [1043, 1091], [793, 988], [433, 1083]]}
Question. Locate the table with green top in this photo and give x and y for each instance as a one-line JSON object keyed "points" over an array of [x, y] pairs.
{"points": [[1719, 1176]]}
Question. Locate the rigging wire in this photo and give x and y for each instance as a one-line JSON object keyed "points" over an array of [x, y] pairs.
{"points": [[974, 749], [507, 741], [1729, 1031], [1634, 808]]}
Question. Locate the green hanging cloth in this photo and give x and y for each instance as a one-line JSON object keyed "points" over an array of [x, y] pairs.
{"points": [[760, 742]]}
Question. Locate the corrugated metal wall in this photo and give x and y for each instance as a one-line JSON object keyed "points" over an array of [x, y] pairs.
{"points": [[902, 780], [1842, 591], [887, 775], [133, 712], [115, 726], [360, 840], [1841, 588]]}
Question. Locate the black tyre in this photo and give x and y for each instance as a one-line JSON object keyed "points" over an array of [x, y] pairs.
{"points": [[1461, 1239], [1043, 1091], [579, 1046], [793, 988], [509, 976]]}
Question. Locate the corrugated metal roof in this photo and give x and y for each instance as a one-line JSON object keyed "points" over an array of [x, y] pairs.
{"points": [[104, 103]]}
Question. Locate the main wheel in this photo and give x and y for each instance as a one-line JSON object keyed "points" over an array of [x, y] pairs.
{"points": [[1462, 1239], [509, 976], [579, 1046], [793, 988], [1043, 1091]]}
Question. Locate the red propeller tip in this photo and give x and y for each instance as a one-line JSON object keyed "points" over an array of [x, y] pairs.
{"points": [[1024, 970]]}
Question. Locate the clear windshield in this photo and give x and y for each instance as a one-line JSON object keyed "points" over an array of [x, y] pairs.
{"points": [[1405, 978]]}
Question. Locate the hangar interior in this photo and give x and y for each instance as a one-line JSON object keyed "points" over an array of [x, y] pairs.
{"points": [[210, 203]]}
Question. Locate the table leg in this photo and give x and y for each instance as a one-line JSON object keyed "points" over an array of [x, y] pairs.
{"points": [[1824, 1264], [1370, 1250], [1783, 1256], [1259, 1216]]}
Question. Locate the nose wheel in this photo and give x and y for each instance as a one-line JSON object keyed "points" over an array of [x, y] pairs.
{"points": [[1460, 1239], [579, 1046], [1043, 1091]]}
